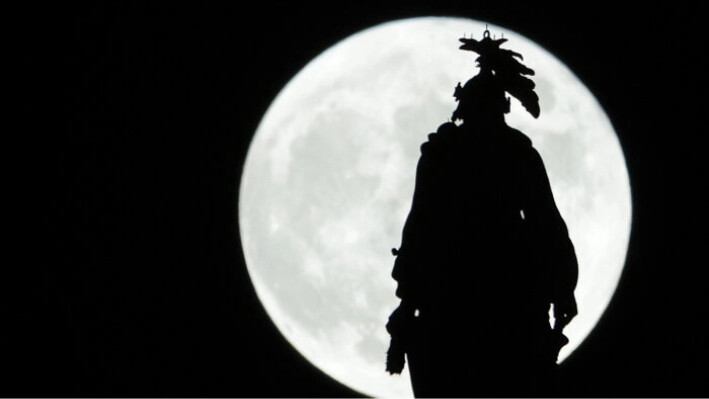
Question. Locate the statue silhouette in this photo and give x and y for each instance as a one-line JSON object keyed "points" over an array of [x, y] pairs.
{"points": [[484, 251]]}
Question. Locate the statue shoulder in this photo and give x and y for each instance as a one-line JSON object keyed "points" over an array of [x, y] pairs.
{"points": [[519, 137], [444, 133]]}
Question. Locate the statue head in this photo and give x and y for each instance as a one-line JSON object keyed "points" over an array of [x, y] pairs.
{"points": [[482, 100]]}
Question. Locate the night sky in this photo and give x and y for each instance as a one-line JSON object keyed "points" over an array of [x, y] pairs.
{"points": [[139, 119]]}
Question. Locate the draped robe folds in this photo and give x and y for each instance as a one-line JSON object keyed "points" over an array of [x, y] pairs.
{"points": [[484, 253]]}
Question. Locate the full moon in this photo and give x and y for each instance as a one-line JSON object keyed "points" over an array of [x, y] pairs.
{"points": [[329, 178]]}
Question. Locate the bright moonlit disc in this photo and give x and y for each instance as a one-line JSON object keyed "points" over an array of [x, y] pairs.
{"points": [[329, 178]]}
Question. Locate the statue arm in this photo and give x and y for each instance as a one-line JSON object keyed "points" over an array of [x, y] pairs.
{"points": [[413, 241], [558, 253], [408, 260]]}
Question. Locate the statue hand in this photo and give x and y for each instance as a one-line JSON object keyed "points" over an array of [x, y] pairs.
{"points": [[565, 311]]}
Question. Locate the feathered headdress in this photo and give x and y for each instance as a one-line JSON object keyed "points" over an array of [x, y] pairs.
{"points": [[507, 70]]}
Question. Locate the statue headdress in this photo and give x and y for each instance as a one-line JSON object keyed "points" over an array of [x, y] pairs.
{"points": [[502, 66]]}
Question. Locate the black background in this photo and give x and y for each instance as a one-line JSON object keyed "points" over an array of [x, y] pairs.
{"points": [[138, 118]]}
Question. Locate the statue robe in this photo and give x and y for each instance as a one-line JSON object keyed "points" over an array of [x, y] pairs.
{"points": [[484, 253]]}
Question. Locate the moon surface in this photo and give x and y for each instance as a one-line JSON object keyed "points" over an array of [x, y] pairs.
{"points": [[329, 177]]}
